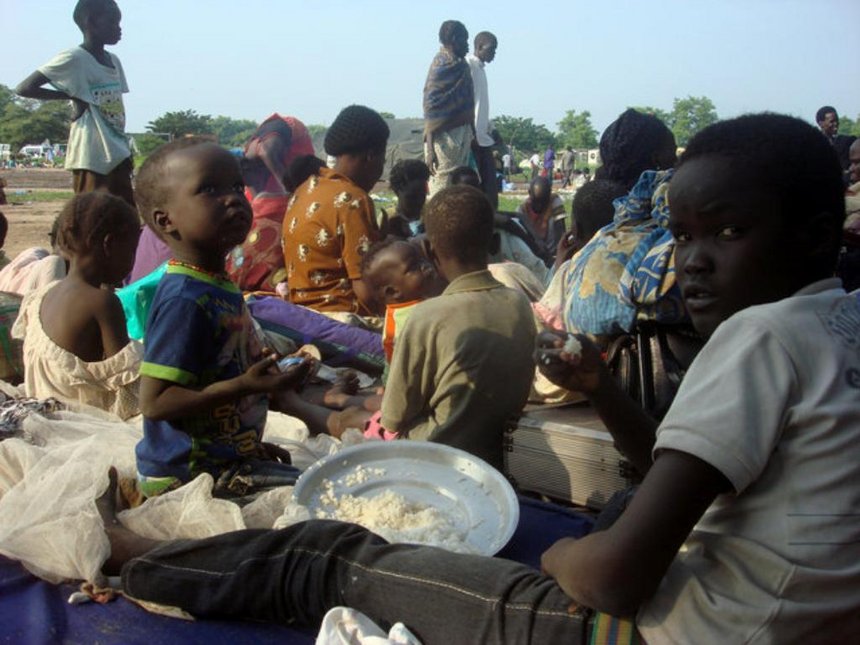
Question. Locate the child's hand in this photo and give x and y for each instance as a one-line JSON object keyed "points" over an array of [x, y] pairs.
{"points": [[567, 246], [264, 376], [583, 372]]}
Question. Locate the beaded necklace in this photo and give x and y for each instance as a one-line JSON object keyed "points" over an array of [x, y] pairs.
{"points": [[220, 275]]}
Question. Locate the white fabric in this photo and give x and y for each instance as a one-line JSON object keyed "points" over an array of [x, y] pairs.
{"points": [[51, 371], [97, 140], [48, 488], [512, 248], [32, 268], [345, 626], [773, 403], [483, 128]]}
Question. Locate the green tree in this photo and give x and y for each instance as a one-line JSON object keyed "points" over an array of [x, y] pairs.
{"points": [[387, 115], [523, 133], [184, 122], [689, 115], [849, 126], [576, 131], [315, 130], [146, 144], [25, 121], [233, 132]]}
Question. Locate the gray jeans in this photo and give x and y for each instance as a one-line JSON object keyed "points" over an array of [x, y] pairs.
{"points": [[297, 574]]}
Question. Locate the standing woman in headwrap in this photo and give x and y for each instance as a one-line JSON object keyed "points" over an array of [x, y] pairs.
{"points": [[449, 106], [258, 264]]}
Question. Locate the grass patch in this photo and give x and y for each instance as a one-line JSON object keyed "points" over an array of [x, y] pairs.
{"points": [[38, 195]]}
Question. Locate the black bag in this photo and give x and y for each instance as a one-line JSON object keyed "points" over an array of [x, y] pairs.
{"points": [[650, 363]]}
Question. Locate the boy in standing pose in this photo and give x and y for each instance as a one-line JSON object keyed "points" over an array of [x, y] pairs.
{"points": [[93, 80]]}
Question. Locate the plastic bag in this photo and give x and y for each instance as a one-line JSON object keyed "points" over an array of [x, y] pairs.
{"points": [[345, 626]]}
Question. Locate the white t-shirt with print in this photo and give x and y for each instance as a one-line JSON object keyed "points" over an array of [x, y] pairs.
{"points": [[773, 403], [97, 140]]}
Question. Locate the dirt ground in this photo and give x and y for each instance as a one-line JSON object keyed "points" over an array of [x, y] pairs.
{"points": [[30, 222]]}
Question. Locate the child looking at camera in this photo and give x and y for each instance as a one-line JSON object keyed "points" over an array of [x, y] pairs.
{"points": [[204, 378], [75, 343]]}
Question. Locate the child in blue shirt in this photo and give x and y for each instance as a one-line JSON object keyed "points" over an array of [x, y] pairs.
{"points": [[204, 378]]}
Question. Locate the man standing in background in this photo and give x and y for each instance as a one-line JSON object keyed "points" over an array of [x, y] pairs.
{"points": [[828, 123], [485, 51]]}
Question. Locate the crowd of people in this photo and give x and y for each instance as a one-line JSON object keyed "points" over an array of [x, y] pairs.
{"points": [[743, 526]]}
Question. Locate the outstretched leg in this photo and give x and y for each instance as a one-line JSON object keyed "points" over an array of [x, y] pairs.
{"points": [[299, 573], [124, 544]]}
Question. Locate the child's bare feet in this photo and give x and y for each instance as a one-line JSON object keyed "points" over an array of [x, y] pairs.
{"points": [[351, 417], [124, 544]]}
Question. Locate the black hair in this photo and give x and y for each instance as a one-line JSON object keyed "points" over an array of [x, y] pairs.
{"points": [[485, 36], [592, 206], [300, 169], [459, 223], [356, 129], [789, 159], [464, 175], [54, 233], [543, 181], [375, 249], [405, 171], [449, 30], [823, 112], [84, 9], [88, 218], [4, 229], [628, 146], [150, 186]]}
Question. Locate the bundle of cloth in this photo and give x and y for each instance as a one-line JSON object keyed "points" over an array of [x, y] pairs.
{"points": [[625, 272]]}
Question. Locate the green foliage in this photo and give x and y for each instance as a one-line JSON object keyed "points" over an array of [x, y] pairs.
{"points": [[182, 123], [576, 131], [315, 129], [233, 133], [147, 143], [689, 115], [523, 134], [387, 115], [25, 121], [849, 126], [41, 196]]}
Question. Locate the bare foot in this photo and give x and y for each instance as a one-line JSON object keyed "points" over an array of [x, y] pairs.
{"points": [[124, 543], [351, 417]]}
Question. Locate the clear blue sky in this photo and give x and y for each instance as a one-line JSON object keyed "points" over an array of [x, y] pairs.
{"points": [[248, 58]]}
